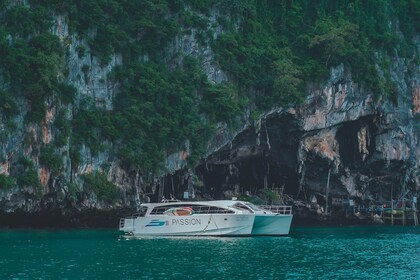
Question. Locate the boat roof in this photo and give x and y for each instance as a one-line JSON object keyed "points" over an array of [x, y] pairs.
{"points": [[219, 203]]}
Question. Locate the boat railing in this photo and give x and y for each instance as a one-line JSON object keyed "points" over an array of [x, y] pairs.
{"points": [[277, 209]]}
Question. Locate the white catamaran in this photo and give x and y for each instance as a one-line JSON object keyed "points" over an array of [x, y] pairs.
{"points": [[208, 218]]}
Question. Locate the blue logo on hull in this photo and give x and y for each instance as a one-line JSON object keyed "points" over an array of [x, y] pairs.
{"points": [[155, 223]]}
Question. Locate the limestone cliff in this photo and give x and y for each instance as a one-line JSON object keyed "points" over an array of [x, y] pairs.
{"points": [[368, 147]]}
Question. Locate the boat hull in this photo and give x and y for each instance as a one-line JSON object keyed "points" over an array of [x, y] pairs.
{"points": [[205, 225], [271, 224]]}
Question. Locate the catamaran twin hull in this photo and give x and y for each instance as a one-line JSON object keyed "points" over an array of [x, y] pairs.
{"points": [[214, 218], [191, 225]]}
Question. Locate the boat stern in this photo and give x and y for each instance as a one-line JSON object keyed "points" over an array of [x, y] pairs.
{"points": [[272, 225], [127, 225]]}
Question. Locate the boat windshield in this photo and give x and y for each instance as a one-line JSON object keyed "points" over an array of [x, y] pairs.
{"points": [[253, 206], [241, 206]]}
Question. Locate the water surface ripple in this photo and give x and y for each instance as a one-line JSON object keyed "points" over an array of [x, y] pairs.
{"points": [[308, 253]]}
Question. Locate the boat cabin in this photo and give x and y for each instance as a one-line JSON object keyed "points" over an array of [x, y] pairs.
{"points": [[194, 208]]}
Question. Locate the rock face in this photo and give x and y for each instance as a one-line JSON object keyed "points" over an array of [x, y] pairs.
{"points": [[64, 192], [366, 149]]}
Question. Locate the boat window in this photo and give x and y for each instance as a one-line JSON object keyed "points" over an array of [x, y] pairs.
{"points": [[141, 212], [197, 209], [211, 210], [241, 206], [159, 210]]}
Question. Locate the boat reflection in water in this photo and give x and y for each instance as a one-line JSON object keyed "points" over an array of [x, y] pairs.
{"points": [[208, 218]]}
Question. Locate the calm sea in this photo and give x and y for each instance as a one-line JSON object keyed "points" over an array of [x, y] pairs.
{"points": [[308, 253]]}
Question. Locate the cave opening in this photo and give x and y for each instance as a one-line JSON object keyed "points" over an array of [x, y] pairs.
{"points": [[356, 141], [315, 178], [249, 176], [254, 161], [214, 177], [284, 177]]}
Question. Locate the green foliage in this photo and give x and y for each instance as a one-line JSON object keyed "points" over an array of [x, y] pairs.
{"points": [[269, 49], [127, 26], [190, 19], [87, 125], [63, 129], [24, 21], [31, 58], [157, 111], [201, 5], [334, 41], [66, 93], [6, 182], [255, 61], [72, 192], [317, 35], [220, 103], [28, 179], [97, 183], [33, 67], [50, 159], [4, 4], [26, 163], [8, 105], [269, 195], [29, 176], [409, 16], [288, 82]]}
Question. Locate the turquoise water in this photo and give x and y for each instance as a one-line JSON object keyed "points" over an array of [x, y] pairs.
{"points": [[308, 253]]}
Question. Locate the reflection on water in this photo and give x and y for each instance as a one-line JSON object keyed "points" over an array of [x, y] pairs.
{"points": [[308, 253]]}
